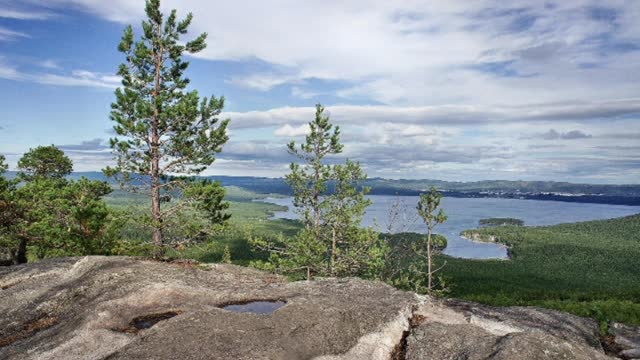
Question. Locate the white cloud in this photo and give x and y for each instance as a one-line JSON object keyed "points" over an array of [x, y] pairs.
{"points": [[49, 64], [262, 82], [415, 53], [10, 13], [82, 78], [464, 142], [292, 131], [124, 11], [441, 114], [8, 71], [8, 34], [304, 94]]}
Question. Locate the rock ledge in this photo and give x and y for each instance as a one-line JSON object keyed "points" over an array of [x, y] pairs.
{"points": [[124, 308]]}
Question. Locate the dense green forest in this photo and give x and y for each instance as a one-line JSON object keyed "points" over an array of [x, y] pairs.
{"points": [[588, 268]]}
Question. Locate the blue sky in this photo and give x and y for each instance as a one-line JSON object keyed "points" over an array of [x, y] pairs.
{"points": [[455, 90]]}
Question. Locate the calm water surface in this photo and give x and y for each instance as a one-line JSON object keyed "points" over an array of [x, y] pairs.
{"points": [[464, 213]]}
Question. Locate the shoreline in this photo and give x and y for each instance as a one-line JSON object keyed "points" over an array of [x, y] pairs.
{"points": [[504, 246]]}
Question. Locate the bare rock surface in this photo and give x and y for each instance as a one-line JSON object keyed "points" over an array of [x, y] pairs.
{"points": [[624, 340], [127, 308], [84, 308], [453, 329]]}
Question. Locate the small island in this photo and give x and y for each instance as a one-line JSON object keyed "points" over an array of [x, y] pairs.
{"points": [[491, 222]]}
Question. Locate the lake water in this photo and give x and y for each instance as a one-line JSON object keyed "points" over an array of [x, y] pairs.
{"points": [[464, 213]]}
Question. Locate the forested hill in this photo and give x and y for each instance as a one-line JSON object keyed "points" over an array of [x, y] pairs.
{"points": [[538, 190]]}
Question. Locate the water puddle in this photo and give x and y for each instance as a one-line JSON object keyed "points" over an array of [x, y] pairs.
{"points": [[147, 321], [256, 307]]}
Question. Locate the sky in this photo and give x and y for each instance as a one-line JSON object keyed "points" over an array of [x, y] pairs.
{"points": [[451, 90]]}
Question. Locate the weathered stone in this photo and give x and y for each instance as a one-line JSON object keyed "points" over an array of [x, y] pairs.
{"points": [[631, 354], [126, 308], [623, 340], [92, 300], [453, 329], [434, 340]]}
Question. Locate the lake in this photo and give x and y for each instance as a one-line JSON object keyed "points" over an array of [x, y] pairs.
{"points": [[464, 213]]}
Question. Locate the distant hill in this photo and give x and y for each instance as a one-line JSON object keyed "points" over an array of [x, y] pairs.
{"points": [[535, 190]]}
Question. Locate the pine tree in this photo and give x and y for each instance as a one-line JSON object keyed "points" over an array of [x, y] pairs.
{"points": [[309, 181], [353, 251], [49, 214], [44, 162], [8, 217], [164, 129], [427, 206], [331, 202]]}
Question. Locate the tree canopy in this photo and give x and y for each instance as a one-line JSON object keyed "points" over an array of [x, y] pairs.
{"points": [[44, 162]]}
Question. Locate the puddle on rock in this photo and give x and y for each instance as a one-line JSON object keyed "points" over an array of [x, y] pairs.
{"points": [[256, 307], [147, 321]]}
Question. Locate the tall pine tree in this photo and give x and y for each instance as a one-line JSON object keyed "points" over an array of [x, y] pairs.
{"points": [[331, 201], [162, 128], [309, 180]]}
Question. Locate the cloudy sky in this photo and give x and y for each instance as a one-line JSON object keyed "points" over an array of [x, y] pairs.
{"points": [[454, 90]]}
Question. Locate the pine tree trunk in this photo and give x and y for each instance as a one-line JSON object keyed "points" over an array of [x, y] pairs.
{"points": [[429, 261], [157, 218], [334, 247], [21, 253], [316, 196], [316, 202], [155, 157]]}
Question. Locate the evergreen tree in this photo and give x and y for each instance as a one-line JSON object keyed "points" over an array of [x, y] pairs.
{"points": [[50, 214], [309, 181], [163, 128], [8, 217], [353, 251], [331, 202], [44, 162], [427, 206]]}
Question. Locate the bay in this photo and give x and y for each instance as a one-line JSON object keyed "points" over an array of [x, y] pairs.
{"points": [[464, 213]]}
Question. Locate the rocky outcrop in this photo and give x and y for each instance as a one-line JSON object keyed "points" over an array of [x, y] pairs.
{"points": [[624, 341], [451, 329], [125, 308]]}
